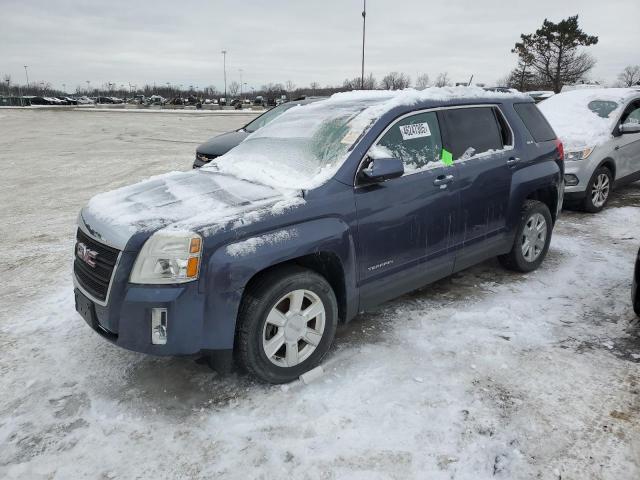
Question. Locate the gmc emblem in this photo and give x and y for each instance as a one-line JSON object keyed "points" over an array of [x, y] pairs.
{"points": [[86, 255]]}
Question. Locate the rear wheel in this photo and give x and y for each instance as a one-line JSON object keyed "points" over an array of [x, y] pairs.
{"points": [[533, 237], [286, 324], [598, 190]]}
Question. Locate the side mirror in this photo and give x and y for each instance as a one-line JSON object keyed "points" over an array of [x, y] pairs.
{"points": [[629, 128], [382, 169]]}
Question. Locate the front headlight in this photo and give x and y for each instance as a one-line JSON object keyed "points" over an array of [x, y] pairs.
{"points": [[578, 154], [168, 257]]}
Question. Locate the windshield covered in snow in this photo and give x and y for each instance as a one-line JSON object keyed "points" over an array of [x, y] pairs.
{"points": [[303, 147]]}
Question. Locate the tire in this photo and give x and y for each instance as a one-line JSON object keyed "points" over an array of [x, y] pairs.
{"points": [[597, 193], [521, 259], [269, 316]]}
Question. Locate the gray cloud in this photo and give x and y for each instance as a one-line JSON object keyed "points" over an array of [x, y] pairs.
{"points": [[180, 42]]}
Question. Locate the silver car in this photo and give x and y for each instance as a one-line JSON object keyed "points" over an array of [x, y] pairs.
{"points": [[600, 130]]}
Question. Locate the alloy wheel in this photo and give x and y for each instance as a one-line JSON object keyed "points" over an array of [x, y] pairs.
{"points": [[534, 237], [600, 190], [294, 328]]}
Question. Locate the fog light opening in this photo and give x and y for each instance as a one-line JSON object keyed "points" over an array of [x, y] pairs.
{"points": [[570, 180], [159, 326]]}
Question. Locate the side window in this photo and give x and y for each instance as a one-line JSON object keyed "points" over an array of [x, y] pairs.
{"points": [[535, 122], [415, 140], [633, 116], [471, 131]]}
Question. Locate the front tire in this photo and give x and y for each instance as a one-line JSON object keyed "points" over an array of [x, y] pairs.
{"points": [[286, 324], [598, 190], [533, 237]]}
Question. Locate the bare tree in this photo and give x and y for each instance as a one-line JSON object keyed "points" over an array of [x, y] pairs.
{"points": [[290, 87], [234, 88], [314, 86], [442, 80], [422, 81], [395, 81], [355, 83], [630, 76]]}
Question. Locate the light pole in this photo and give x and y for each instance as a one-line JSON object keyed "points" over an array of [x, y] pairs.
{"points": [[240, 70], [364, 22], [224, 66], [88, 86], [245, 84], [27, 75], [64, 88]]}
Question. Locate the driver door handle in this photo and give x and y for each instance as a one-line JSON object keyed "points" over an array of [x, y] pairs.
{"points": [[443, 180], [512, 161]]}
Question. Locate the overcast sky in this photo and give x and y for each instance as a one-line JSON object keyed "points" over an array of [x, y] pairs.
{"points": [[162, 41]]}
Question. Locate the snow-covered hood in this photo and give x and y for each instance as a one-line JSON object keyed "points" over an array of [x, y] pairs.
{"points": [[186, 200], [575, 124]]}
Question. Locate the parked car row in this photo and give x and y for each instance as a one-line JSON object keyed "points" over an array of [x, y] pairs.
{"points": [[323, 209]]}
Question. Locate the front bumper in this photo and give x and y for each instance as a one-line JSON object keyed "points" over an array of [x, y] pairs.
{"points": [[127, 323], [580, 169]]}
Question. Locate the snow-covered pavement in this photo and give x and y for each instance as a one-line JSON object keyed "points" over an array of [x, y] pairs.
{"points": [[488, 374]]}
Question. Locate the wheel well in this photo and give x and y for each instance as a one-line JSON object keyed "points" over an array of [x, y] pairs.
{"points": [[548, 196], [326, 264], [611, 165]]}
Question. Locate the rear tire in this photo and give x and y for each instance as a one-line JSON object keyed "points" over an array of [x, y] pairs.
{"points": [[598, 190], [533, 237], [286, 324]]}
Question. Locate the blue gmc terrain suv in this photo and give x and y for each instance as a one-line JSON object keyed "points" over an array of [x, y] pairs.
{"points": [[329, 210]]}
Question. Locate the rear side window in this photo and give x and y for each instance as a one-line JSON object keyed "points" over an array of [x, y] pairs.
{"points": [[535, 122], [471, 131]]}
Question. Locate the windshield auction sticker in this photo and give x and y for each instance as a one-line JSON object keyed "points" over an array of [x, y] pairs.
{"points": [[415, 130]]}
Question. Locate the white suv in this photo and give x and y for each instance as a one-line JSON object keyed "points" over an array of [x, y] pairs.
{"points": [[600, 130]]}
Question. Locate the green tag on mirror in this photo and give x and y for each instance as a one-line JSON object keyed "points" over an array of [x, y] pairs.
{"points": [[447, 157]]}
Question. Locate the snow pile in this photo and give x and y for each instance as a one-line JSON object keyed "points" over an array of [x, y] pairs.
{"points": [[575, 123]]}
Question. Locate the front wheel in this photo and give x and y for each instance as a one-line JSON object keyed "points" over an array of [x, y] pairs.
{"points": [[598, 190], [533, 237], [286, 324]]}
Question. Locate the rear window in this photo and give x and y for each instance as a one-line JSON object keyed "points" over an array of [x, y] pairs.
{"points": [[535, 122], [470, 131]]}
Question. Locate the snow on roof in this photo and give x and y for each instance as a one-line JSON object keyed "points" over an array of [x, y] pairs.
{"points": [[575, 123]]}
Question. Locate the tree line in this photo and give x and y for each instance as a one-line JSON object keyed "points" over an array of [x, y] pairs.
{"points": [[547, 59]]}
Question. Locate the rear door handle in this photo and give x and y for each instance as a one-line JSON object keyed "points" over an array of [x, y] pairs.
{"points": [[443, 180], [512, 161]]}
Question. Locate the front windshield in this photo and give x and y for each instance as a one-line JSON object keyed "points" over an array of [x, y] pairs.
{"points": [[602, 108], [302, 148], [266, 117]]}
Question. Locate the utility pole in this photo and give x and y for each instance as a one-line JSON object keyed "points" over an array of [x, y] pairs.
{"points": [[27, 75], [224, 66], [364, 22], [240, 70]]}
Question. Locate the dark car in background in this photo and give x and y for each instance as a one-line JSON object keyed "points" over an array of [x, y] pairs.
{"points": [[635, 290], [223, 143]]}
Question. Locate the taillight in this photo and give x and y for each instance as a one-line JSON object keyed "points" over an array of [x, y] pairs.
{"points": [[560, 148]]}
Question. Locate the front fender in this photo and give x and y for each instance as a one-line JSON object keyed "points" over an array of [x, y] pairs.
{"points": [[233, 265]]}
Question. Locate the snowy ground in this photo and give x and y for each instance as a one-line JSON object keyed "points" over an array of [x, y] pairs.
{"points": [[488, 374]]}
